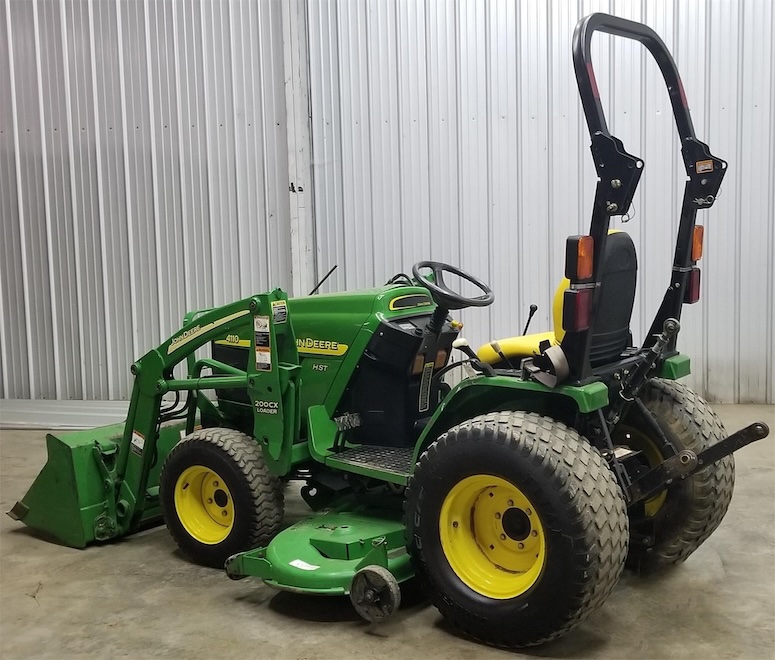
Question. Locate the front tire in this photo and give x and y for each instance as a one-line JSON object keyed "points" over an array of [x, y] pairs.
{"points": [[218, 496], [517, 527]]}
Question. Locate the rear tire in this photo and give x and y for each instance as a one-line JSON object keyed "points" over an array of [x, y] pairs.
{"points": [[517, 528], [218, 496], [687, 513]]}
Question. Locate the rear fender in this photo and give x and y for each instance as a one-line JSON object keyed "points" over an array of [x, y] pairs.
{"points": [[482, 394]]}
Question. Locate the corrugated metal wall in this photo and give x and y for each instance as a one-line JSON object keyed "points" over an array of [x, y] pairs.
{"points": [[453, 130], [143, 173], [144, 166]]}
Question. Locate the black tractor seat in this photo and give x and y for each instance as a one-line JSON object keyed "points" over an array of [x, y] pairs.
{"points": [[611, 334]]}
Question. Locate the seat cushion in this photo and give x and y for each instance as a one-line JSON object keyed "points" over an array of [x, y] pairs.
{"points": [[516, 348]]}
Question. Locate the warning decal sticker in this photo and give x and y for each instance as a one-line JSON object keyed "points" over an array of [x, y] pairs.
{"points": [[263, 343], [425, 387], [279, 311], [703, 166], [138, 443]]}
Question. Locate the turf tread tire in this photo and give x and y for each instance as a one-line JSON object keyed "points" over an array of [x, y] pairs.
{"points": [[593, 503], [702, 500], [258, 494]]}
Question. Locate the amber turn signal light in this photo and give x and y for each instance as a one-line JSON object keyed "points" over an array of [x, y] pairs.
{"points": [[579, 258], [697, 237]]}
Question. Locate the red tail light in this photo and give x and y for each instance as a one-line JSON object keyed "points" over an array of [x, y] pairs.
{"points": [[577, 309], [692, 293]]}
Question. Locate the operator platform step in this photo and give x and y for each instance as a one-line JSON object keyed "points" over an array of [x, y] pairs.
{"points": [[397, 460]]}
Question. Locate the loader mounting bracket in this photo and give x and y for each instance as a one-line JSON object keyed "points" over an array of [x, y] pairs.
{"points": [[106, 524]]}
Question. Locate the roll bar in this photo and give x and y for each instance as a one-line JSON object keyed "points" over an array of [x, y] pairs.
{"points": [[620, 27], [619, 174]]}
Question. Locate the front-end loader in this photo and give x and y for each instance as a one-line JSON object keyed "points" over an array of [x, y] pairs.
{"points": [[516, 496]]}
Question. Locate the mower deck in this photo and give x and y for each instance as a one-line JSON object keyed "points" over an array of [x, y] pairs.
{"points": [[321, 554]]}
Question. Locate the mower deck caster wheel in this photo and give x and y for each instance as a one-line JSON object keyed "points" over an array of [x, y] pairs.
{"points": [[375, 593]]}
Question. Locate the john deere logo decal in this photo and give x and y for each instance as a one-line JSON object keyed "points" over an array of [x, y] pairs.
{"points": [[198, 330], [309, 346], [410, 301]]}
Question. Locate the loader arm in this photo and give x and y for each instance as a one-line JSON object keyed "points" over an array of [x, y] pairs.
{"points": [[137, 450], [97, 485]]}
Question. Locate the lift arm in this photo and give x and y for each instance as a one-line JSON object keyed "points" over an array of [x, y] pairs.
{"points": [[268, 377]]}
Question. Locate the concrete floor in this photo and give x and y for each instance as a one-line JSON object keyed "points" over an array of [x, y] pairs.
{"points": [[138, 597]]}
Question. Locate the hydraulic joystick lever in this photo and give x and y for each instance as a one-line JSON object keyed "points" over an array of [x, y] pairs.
{"points": [[533, 310], [461, 343]]}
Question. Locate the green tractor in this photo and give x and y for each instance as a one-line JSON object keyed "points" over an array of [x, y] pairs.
{"points": [[516, 496]]}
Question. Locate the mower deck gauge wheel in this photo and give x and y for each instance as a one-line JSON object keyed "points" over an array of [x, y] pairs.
{"points": [[375, 593]]}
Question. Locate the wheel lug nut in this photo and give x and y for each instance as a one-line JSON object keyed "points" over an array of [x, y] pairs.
{"points": [[521, 546], [528, 512], [224, 513], [511, 502], [498, 516], [454, 523], [215, 483], [534, 533], [503, 537], [209, 500]]}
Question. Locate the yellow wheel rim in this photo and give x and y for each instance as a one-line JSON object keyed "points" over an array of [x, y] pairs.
{"points": [[204, 505], [492, 536], [634, 439]]}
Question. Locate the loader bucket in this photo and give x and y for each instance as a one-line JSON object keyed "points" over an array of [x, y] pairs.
{"points": [[70, 495]]}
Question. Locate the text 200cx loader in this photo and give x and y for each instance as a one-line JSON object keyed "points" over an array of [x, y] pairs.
{"points": [[516, 497]]}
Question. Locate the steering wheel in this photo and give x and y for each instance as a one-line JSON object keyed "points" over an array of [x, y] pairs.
{"points": [[443, 295]]}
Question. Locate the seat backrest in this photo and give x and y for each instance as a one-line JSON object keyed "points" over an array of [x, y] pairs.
{"points": [[611, 330]]}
